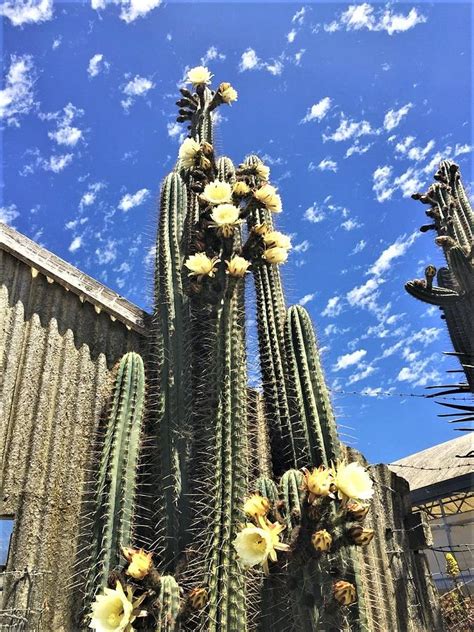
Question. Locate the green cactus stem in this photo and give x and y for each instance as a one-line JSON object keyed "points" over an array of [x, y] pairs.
{"points": [[114, 505], [170, 400], [167, 605], [310, 403]]}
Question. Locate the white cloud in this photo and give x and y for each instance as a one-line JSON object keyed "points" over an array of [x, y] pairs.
{"points": [[314, 214], [327, 164], [21, 12], [369, 391], [350, 224], [359, 247], [365, 371], [364, 16], [381, 179], [306, 299], [8, 214], [90, 195], [131, 9], [97, 64], [333, 308], [348, 128], [357, 149], [291, 36], [318, 111], [365, 296], [57, 163], [65, 133], [299, 16], [75, 244], [57, 42], [149, 258], [129, 201], [414, 152], [136, 87], [108, 253], [249, 60], [418, 373], [299, 55], [275, 68], [393, 118], [349, 359], [394, 251], [16, 98], [212, 54], [174, 129], [301, 247]]}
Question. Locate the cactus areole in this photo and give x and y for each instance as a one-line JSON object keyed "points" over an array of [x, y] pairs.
{"points": [[235, 546]]}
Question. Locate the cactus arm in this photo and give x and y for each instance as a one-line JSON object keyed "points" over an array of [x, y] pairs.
{"points": [[168, 603], [115, 496], [170, 401], [440, 296]]}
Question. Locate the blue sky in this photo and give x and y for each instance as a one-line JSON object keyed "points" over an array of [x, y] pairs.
{"points": [[352, 106]]}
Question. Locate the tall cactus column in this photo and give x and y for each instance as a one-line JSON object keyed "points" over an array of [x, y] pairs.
{"points": [[114, 504]]}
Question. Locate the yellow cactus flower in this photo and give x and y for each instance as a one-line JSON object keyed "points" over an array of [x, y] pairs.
{"points": [[344, 593], [225, 217], [452, 566], [353, 481], [318, 482], [188, 151], [276, 255], [198, 598], [262, 171], [113, 610], [276, 239], [361, 536], [228, 93], [321, 540], [201, 265], [260, 229], [256, 506], [140, 563], [199, 75], [237, 266], [268, 196], [241, 188], [217, 192], [256, 545]]}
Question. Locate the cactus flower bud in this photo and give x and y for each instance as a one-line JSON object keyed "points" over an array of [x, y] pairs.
{"points": [[228, 93], [198, 598], [344, 593], [321, 540], [241, 188], [276, 239], [361, 536], [357, 510], [256, 506]]}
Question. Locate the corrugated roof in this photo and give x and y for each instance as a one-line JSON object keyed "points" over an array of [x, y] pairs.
{"points": [[58, 270], [441, 462]]}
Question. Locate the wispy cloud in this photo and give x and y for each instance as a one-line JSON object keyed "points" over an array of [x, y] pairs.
{"points": [[327, 164], [75, 244], [90, 195], [333, 308], [393, 251], [21, 12], [318, 111], [356, 148], [212, 54], [97, 64], [8, 214], [348, 128], [65, 133], [251, 61], [136, 87], [359, 247], [365, 16], [306, 299], [131, 9], [16, 98], [57, 163], [129, 200], [393, 118], [302, 246], [350, 224], [349, 359]]}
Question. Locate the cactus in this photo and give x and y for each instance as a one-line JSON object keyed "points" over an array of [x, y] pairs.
{"points": [[167, 605], [216, 224], [114, 505], [453, 221]]}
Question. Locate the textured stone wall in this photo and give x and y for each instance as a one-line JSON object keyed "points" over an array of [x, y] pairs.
{"points": [[56, 359]]}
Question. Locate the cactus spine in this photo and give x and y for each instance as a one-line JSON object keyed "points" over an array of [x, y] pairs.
{"points": [[114, 509]]}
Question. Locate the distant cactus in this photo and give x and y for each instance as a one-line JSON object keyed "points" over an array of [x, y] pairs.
{"points": [[453, 221]]}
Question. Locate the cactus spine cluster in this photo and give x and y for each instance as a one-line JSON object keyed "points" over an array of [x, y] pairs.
{"points": [[220, 509], [453, 221]]}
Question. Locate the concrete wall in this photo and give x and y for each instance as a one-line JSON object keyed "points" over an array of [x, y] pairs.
{"points": [[57, 354]]}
